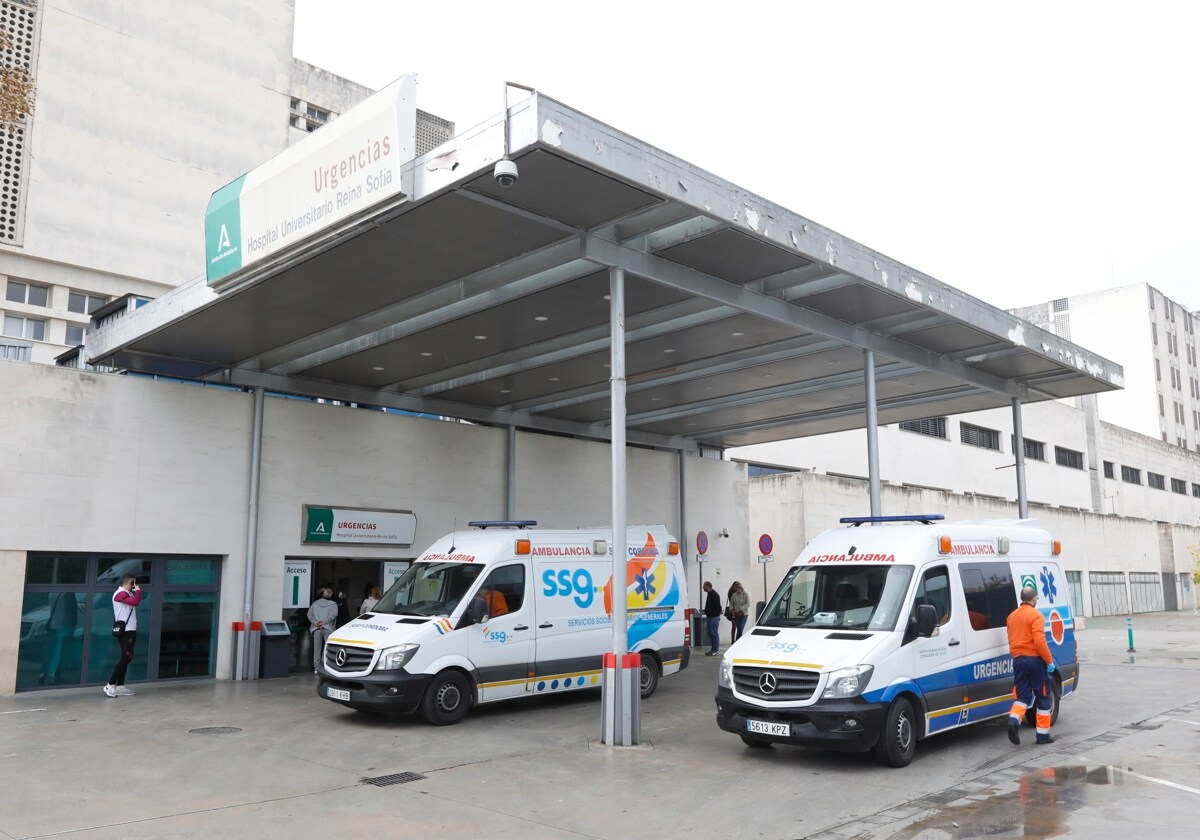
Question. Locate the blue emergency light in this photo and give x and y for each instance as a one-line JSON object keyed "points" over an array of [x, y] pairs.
{"points": [[484, 524], [924, 518]]}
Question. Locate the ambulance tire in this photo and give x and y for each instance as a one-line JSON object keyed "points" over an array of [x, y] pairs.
{"points": [[1055, 702], [898, 739], [447, 699], [648, 675]]}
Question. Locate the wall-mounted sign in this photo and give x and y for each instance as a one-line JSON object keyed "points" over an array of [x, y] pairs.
{"points": [[297, 584], [392, 569], [350, 165], [358, 526]]}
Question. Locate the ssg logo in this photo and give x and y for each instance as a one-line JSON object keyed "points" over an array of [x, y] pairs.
{"points": [[577, 583]]}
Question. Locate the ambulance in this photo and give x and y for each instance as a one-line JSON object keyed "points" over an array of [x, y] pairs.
{"points": [[503, 611], [891, 630]]}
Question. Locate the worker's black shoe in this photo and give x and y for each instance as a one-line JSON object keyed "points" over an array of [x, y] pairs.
{"points": [[1045, 739], [1014, 731]]}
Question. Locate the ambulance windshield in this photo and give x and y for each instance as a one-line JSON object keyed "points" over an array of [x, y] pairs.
{"points": [[851, 596], [429, 589]]}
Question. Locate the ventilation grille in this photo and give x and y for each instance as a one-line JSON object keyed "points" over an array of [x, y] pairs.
{"points": [[17, 20], [432, 132]]}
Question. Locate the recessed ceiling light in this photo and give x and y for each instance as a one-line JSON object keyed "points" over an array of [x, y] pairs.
{"points": [[553, 378], [505, 391], [426, 355], [608, 297], [767, 375], [737, 334], [377, 367], [481, 338], [607, 365], [540, 318], [655, 399], [668, 350], [691, 424]]}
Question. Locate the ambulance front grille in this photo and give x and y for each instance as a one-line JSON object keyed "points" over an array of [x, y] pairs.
{"points": [[787, 686], [353, 659]]}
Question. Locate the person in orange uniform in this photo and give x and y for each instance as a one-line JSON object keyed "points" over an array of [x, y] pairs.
{"points": [[1032, 663]]}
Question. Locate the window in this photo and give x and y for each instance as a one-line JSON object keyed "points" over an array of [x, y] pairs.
{"points": [[932, 426], [1154, 333], [22, 292], [84, 304], [1068, 458], [504, 590], [1131, 476], [1178, 485], [16, 351], [18, 327], [934, 589], [1060, 305], [1196, 490], [1162, 411], [1108, 469], [1157, 371], [74, 335], [990, 594], [1156, 481], [315, 113], [1034, 449], [979, 436]]}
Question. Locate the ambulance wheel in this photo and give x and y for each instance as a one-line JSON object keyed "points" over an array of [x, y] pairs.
{"points": [[447, 699], [898, 739], [1055, 697], [648, 675]]}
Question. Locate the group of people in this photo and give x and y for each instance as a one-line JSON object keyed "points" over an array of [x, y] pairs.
{"points": [[325, 614], [737, 610]]}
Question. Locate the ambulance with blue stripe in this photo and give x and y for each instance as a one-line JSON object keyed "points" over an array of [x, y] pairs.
{"points": [[503, 611], [891, 630]]}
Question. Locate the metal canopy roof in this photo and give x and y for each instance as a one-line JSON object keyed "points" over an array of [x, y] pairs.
{"points": [[745, 321]]}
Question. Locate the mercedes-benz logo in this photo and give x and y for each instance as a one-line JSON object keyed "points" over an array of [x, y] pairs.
{"points": [[340, 657], [766, 683]]}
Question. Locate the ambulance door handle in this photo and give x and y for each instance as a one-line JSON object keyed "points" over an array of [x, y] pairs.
{"points": [[547, 624], [953, 642], [526, 627]]}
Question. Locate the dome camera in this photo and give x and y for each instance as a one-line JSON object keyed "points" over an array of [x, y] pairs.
{"points": [[505, 173]]}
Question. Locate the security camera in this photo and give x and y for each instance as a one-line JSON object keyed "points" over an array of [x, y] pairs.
{"points": [[505, 173]]}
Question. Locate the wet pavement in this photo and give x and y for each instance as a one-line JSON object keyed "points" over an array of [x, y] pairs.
{"points": [[284, 763]]}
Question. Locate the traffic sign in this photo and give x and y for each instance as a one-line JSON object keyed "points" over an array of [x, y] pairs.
{"points": [[765, 544], [766, 558], [702, 543]]}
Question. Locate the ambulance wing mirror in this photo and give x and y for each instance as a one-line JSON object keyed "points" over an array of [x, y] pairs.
{"points": [[927, 619], [477, 611]]}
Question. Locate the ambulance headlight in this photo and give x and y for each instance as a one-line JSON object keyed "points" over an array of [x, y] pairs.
{"points": [[847, 682], [393, 658], [725, 674]]}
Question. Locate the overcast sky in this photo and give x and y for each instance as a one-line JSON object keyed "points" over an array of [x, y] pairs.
{"points": [[1019, 151]]}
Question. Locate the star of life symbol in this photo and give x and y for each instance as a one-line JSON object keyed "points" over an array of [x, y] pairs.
{"points": [[645, 584], [1048, 587]]}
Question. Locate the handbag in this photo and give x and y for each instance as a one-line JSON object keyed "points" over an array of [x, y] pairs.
{"points": [[729, 612], [119, 626]]}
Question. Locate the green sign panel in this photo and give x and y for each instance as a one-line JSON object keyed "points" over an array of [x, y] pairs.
{"points": [[359, 526]]}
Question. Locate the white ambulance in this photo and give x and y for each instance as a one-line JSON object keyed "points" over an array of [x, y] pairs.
{"points": [[894, 629], [502, 611]]}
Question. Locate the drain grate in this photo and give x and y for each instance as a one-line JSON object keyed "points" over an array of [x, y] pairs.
{"points": [[394, 779], [215, 730]]}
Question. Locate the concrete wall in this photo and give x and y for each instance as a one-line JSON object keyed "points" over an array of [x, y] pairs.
{"points": [[795, 507], [107, 463]]}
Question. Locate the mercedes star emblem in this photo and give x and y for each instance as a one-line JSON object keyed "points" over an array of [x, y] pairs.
{"points": [[766, 683], [340, 657]]}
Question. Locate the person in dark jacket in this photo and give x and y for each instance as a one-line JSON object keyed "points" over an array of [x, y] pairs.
{"points": [[712, 618]]}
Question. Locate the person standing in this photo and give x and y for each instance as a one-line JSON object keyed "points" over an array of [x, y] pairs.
{"points": [[322, 618], [739, 605], [712, 618], [1032, 663], [125, 602], [369, 602]]}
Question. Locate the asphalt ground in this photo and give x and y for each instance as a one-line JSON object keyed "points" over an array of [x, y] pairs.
{"points": [[75, 763]]}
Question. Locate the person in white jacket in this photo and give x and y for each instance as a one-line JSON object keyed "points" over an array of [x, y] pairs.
{"points": [[322, 618]]}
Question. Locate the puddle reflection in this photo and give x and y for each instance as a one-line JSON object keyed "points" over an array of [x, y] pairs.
{"points": [[1039, 808]]}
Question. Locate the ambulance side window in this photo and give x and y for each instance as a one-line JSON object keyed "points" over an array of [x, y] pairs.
{"points": [[504, 589], [934, 589], [990, 594]]}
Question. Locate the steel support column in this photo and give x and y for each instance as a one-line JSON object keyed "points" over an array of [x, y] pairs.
{"points": [[510, 478], [251, 537], [872, 412], [620, 722], [1019, 451]]}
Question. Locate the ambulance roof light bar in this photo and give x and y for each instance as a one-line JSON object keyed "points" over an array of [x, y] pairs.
{"points": [[484, 524], [924, 518]]}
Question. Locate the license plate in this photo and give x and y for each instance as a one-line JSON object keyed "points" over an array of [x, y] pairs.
{"points": [[337, 694], [766, 727]]}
